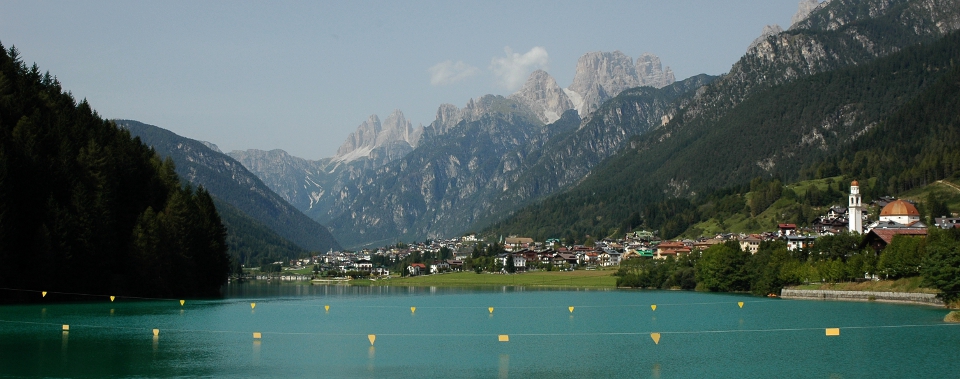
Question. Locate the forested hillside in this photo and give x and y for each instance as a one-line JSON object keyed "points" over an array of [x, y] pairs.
{"points": [[810, 127], [86, 209], [263, 226], [252, 243]]}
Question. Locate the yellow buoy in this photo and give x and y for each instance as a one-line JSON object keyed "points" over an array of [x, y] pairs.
{"points": [[66, 328], [257, 335], [372, 338], [156, 332], [571, 309], [413, 310], [653, 306], [490, 309], [112, 297], [181, 302], [44, 294], [656, 338], [326, 308], [740, 303], [253, 305], [503, 338], [833, 331]]}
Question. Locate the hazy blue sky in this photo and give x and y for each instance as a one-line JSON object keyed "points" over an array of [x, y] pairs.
{"points": [[300, 76]]}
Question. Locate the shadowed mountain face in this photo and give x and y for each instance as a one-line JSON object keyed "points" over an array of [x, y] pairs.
{"points": [[230, 182], [471, 166], [476, 164], [796, 98]]}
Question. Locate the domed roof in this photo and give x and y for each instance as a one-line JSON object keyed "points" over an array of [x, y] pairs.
{"points": [[854, 184], [899, 208]]}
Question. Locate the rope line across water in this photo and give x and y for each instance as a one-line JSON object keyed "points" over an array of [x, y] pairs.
{"points": [[776, 330], [244, 301]]}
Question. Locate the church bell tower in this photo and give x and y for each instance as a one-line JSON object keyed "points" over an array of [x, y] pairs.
{"points": [[855, 214]]}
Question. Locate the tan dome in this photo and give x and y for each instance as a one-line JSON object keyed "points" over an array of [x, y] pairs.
{"points": [[855, 184], [899, 208]]}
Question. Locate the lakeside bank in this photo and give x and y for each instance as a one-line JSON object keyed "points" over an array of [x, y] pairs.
{"points": [[881, 296]]}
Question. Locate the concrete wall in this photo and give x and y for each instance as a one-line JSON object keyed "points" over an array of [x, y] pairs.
{"points": [[894, 297]]}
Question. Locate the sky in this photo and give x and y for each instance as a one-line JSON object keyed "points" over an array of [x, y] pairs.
{"points": [[302, 75]]}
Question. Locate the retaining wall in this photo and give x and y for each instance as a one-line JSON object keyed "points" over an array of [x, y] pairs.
{"points": [[894, 297]]}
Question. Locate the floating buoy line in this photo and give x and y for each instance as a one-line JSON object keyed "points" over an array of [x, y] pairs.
{"points": [[655, 336]]}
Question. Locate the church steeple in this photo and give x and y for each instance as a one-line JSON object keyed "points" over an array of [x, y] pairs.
{"points": [[855, 214]]}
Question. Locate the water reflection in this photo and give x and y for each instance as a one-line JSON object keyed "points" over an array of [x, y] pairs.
{"points": [[372, 353], [256, 353], [504, 366]]}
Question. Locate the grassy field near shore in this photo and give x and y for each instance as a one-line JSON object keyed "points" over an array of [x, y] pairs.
{"points": [[899, 285], [579, 278]]}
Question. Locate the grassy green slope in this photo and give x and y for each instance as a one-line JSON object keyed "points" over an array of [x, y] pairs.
{"points": [[895, 113]]}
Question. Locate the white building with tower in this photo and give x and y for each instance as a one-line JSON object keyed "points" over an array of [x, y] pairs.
{"points": [[855, 213]]}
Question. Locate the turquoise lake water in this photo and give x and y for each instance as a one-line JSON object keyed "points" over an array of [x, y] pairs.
{"points": [[452, 334]]}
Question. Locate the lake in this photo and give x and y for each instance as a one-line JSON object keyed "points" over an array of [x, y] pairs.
{"points": [[453, 334]]}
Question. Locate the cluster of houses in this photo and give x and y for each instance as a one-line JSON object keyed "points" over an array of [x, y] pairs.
{"points": [[896, 217]]}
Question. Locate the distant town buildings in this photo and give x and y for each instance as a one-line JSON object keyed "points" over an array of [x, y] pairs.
{"points": [[520, 254]]}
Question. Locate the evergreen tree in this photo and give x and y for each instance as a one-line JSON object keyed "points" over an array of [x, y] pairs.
{"points": [[941, 266], [90, 208]]}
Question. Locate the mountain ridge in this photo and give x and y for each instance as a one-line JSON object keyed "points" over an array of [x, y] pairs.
{"points": [[767, 126], [230, 182]]}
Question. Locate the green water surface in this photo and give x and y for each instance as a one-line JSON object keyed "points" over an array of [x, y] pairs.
{"points": [[452, 334]]}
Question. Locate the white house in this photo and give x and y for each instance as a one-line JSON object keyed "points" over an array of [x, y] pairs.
{"points": [[519, 261]]}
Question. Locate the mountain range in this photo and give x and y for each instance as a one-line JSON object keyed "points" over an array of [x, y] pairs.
{"points": [[471, 164], [624, 129], [795, 104]]}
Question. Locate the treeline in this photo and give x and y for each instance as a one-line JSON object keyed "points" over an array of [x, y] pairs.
{"points": [[918, 145], [832, 124], [483, 257], [727, 268], [263, 228], [251, 243], [86, 209]]}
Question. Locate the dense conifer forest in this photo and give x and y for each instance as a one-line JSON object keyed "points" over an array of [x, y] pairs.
{"points": [[893, 120], [86, 209]]}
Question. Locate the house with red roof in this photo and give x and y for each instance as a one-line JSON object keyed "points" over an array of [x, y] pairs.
{"points": [[415, 269]]}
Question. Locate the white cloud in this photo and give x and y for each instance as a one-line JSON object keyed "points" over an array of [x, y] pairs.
{"points": [[512, 70], [449, 72]]}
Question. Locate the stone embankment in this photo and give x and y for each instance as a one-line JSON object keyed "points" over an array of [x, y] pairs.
{"points": [[282, 277], [890, 297]]}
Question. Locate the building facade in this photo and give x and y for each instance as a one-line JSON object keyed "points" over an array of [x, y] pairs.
{"points": [[855, 211]]}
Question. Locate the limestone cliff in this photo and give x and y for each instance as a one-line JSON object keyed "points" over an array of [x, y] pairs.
{"points": [[543, 96]]}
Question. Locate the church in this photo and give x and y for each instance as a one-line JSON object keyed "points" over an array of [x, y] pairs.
{"points": [[898, 214], [899, 217]]}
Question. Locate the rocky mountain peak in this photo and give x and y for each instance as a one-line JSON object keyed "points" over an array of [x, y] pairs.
{"points": [[602, 75], [803, 10], [614, 71], [397, 128], [211, 146], [768, 31], [651, 73], [372, 134], [543, 95]]}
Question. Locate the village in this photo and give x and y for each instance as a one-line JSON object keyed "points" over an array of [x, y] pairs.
{"points": [[517, 254]]}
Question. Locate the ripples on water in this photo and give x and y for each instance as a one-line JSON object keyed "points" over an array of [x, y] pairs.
{"points": [[453, 333]]}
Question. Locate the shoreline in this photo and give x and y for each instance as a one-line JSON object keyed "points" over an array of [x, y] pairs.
{"points": [[916, 298]]}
